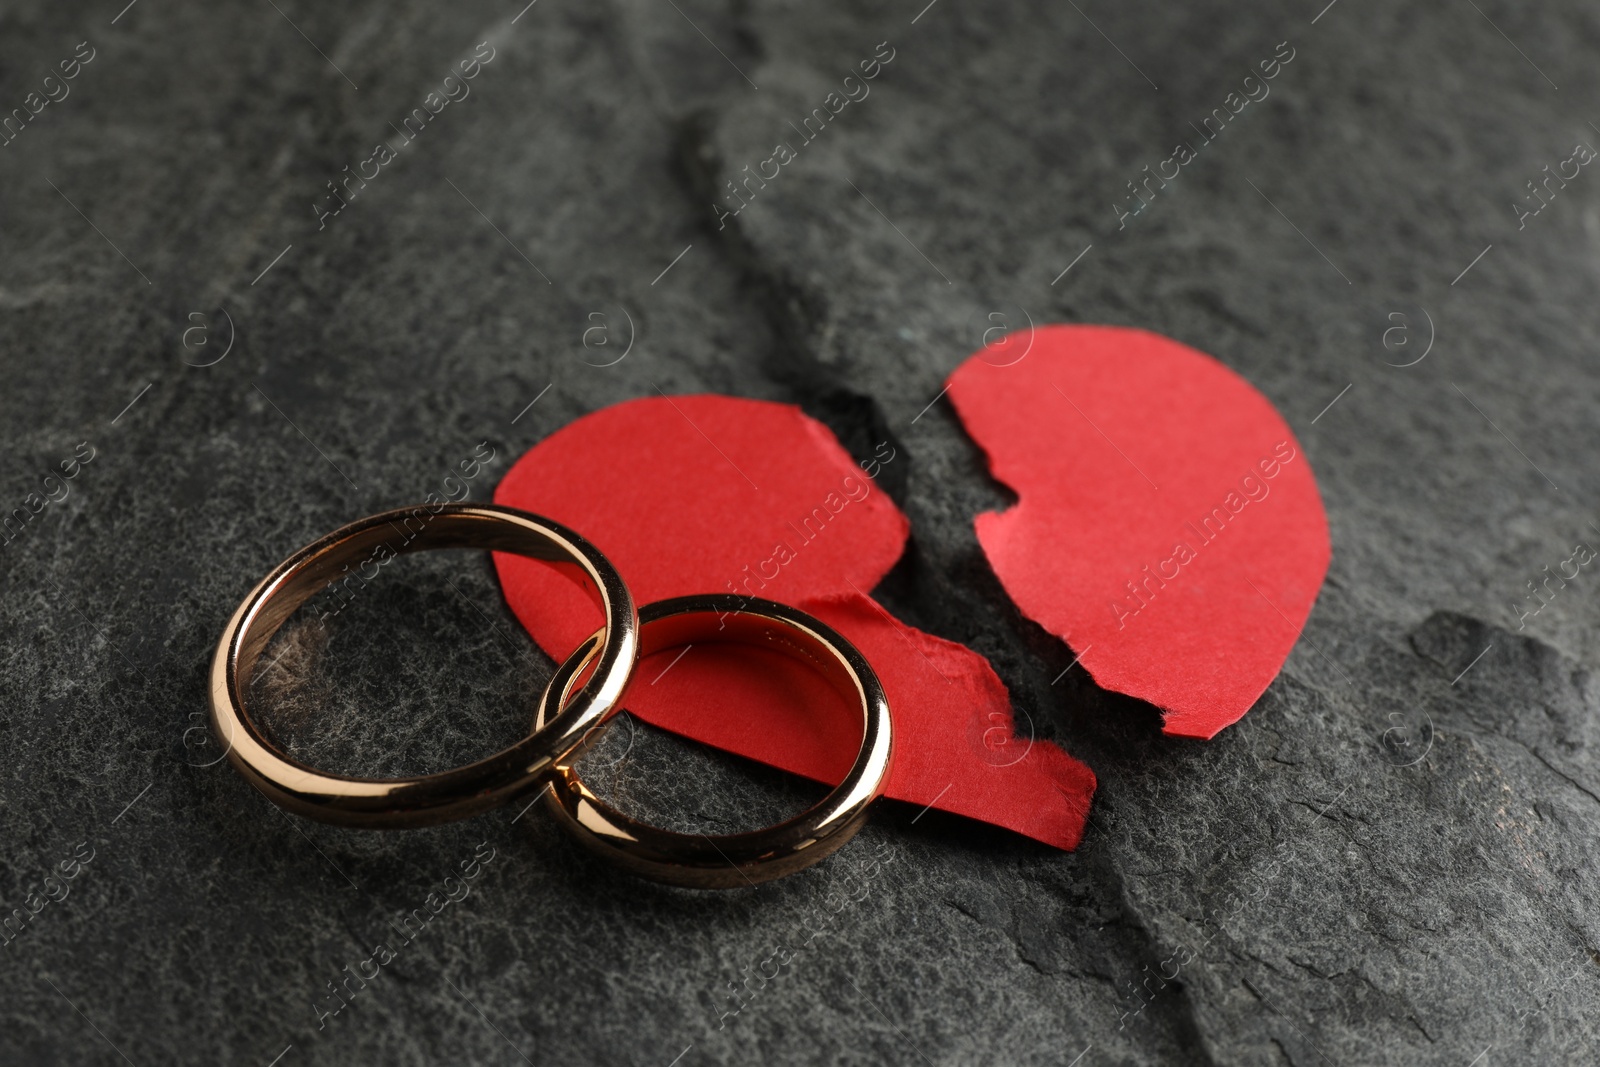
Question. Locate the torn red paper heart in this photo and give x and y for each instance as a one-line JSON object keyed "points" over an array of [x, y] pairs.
{"points": [[1168, 526], [712, 494]]}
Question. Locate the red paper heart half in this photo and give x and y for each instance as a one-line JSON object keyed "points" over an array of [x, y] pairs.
{"points": [[1168, 526], [711, 494]]}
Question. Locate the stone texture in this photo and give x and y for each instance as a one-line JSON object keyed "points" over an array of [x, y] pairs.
{"points": [[1388, 861]]}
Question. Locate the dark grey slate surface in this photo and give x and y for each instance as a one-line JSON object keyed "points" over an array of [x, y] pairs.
{"points": [[1388, 861]]}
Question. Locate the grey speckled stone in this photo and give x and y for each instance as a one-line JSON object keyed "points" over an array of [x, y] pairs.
{"points": [[1390, 860]]}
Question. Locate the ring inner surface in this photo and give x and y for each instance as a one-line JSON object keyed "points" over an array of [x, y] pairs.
{"points": [[417, 534], [337, 556], [760, 631]]}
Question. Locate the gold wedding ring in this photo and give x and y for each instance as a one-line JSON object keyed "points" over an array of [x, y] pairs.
{"points": [[454, 794], [730, 860]]}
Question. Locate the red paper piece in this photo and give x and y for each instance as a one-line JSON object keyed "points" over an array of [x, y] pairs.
{"points": [[711, 494], [1168, 526]]}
